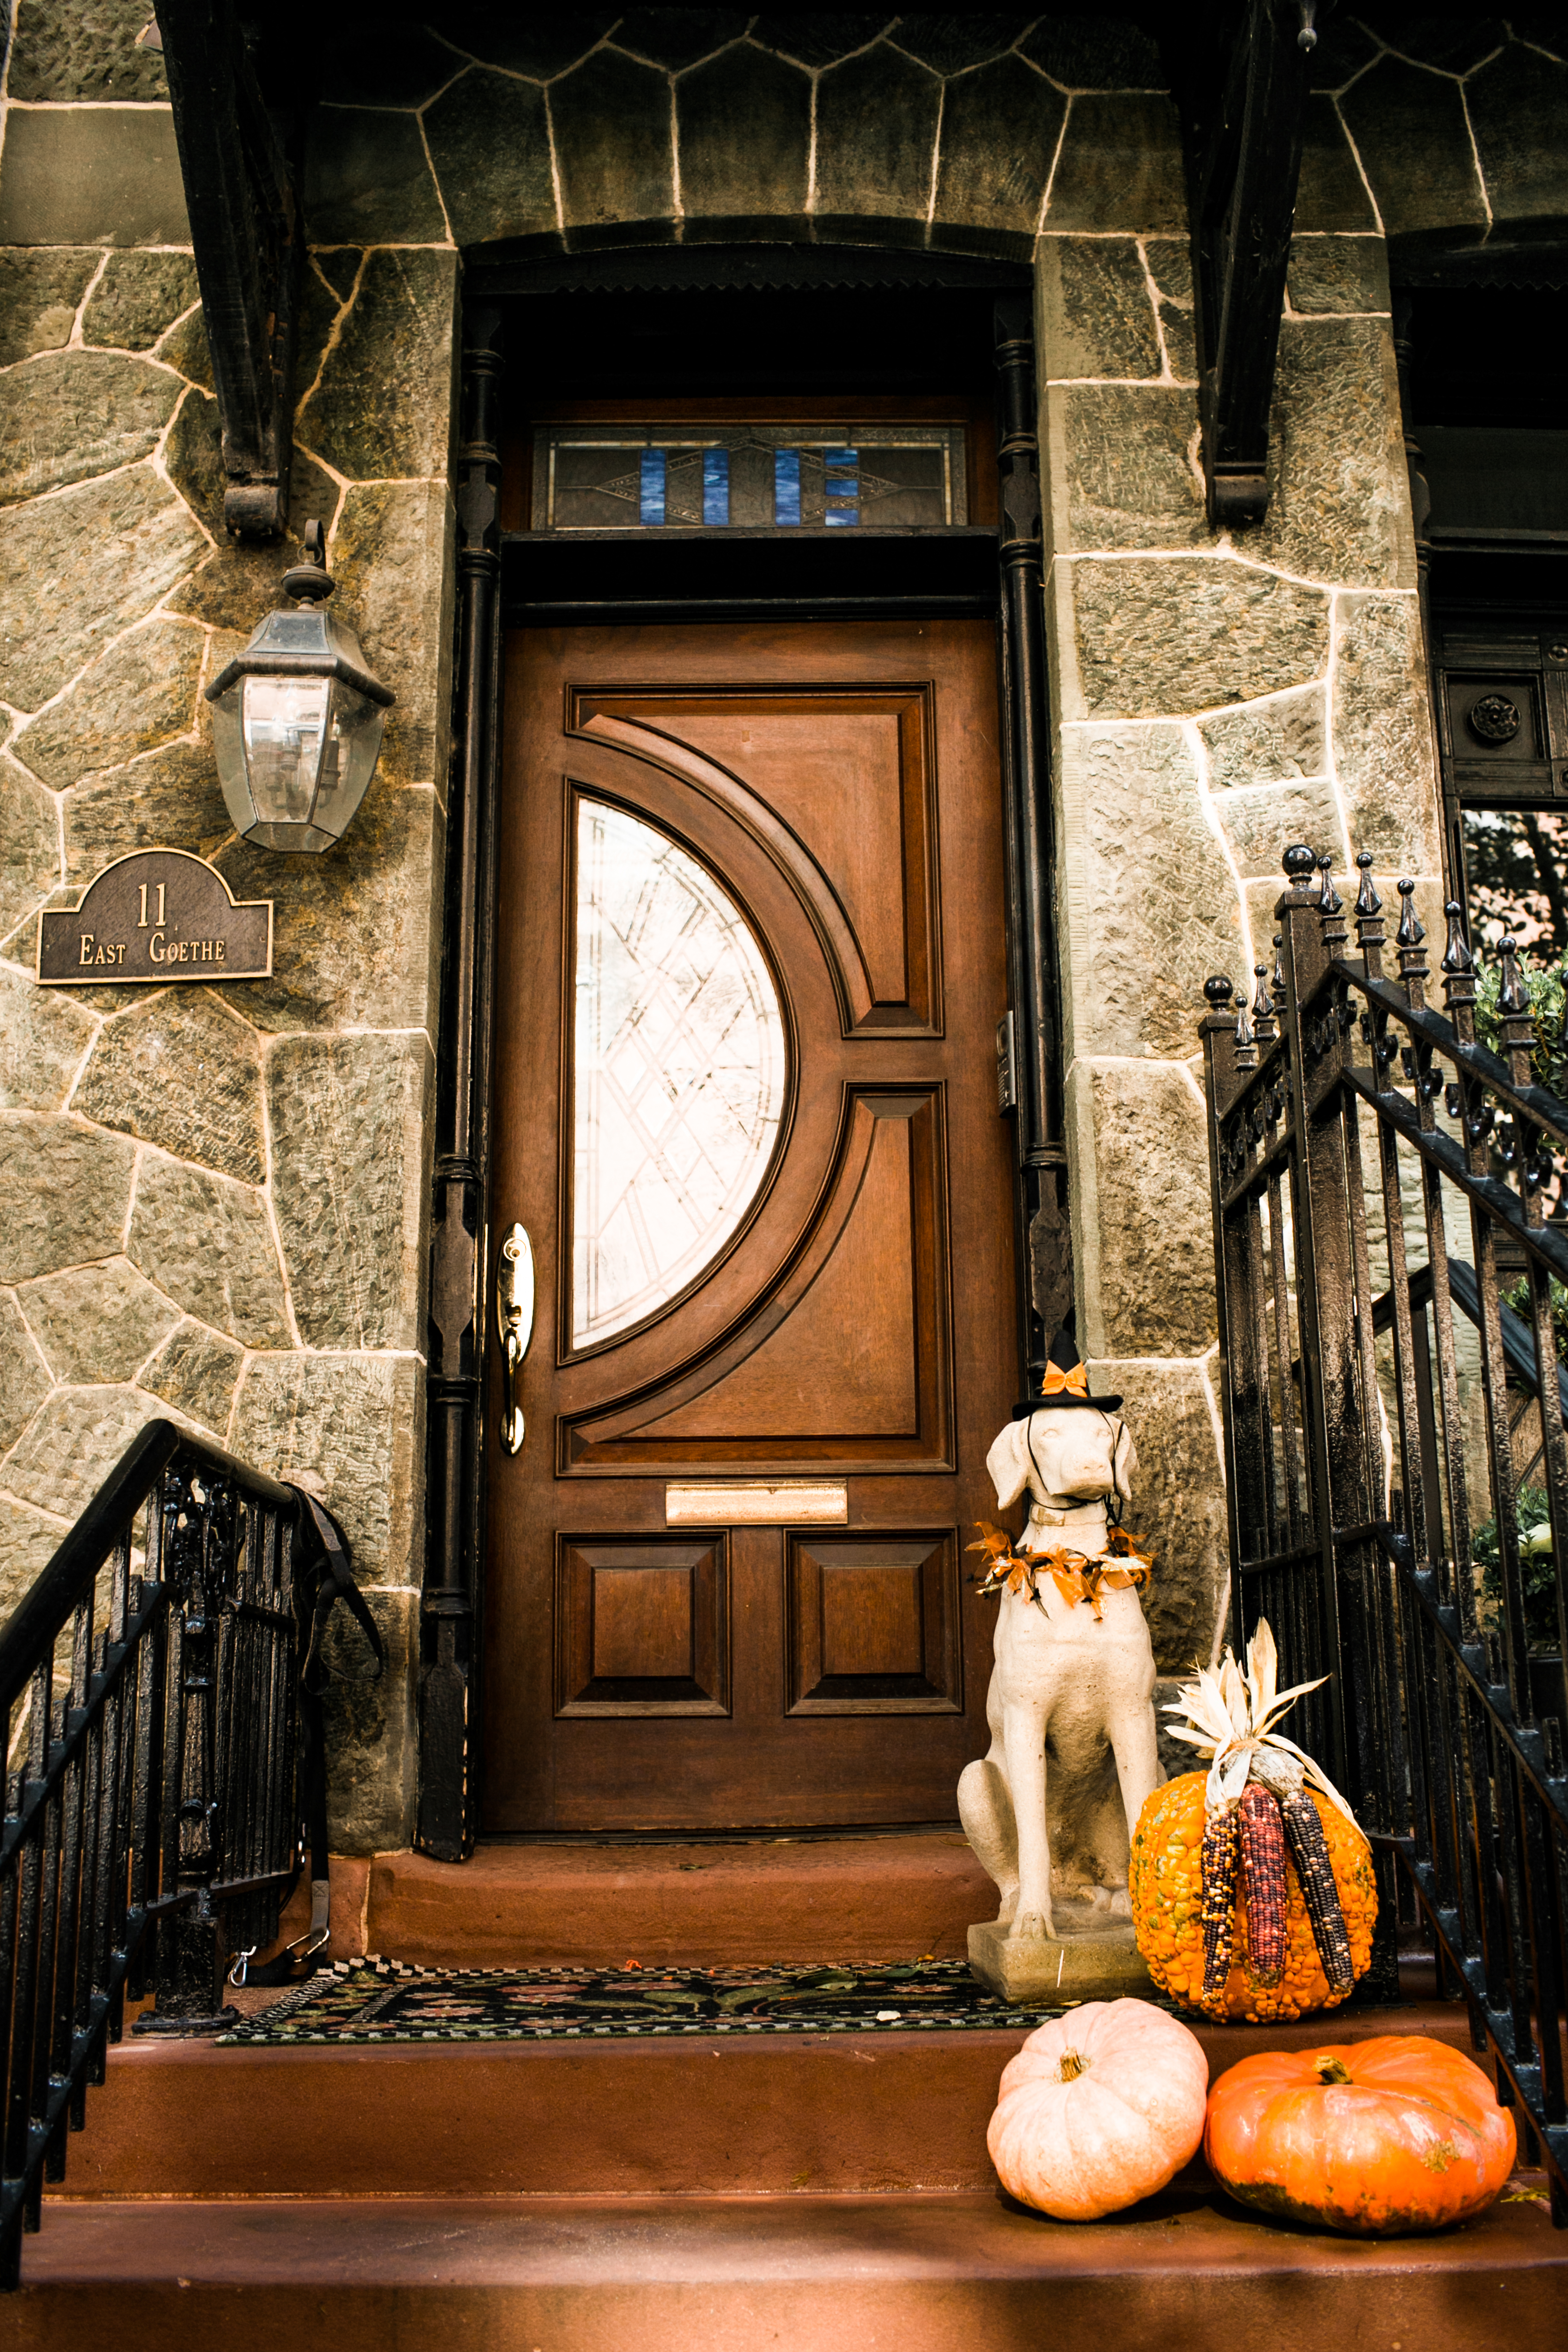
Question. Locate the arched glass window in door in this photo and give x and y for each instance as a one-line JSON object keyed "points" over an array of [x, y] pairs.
{"points": [[680, 1070]]}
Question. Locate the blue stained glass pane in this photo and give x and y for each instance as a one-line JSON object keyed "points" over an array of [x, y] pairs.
{"points": [[715, 486], [651, 501], [842, 471], [786, 485]]}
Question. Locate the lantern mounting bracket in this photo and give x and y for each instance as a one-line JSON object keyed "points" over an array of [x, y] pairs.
{"points": [[247, 237], [1240, 73]]}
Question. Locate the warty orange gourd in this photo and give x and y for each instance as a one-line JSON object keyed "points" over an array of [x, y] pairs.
{"points": [[1252, 1888]]}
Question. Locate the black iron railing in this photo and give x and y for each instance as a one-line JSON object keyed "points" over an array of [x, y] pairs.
{"points": [[1373, 1166], [155, 1798]]}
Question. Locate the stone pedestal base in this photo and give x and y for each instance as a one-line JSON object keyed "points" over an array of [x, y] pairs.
{"points": [[1092, 1958]]}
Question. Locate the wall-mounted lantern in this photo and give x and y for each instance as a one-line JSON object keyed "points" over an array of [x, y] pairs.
{"points": [[297, 719]]}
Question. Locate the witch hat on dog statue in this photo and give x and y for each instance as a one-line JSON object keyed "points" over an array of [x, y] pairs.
{"points": [[1051, 1808]]}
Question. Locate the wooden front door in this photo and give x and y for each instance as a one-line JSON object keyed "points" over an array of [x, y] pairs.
{"points": [[751, 964]]}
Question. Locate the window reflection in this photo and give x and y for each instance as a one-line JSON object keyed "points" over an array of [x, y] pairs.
{"points": [[1516, 871], [680, 1075]]}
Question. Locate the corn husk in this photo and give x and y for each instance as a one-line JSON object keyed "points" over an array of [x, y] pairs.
{"points": [[1230, 1717]]}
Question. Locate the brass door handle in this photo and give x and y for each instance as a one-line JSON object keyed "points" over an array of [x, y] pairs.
{"points": [[514, 1327]]}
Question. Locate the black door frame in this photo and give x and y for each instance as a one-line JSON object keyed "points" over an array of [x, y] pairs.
{"points": [[1004, 575]]}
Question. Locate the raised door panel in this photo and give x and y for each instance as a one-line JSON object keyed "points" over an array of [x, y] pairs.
{"points": [[845, 1362], [641, 1627], [851, 778], [874, 1624]]}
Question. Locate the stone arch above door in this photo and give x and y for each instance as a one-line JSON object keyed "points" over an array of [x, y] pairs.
{"points": [[953, 134]]}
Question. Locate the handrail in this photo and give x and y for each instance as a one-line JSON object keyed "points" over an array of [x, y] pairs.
{"points": [[1363, 1449], [43, 1608], [1518, 1347], [155, 1798]]}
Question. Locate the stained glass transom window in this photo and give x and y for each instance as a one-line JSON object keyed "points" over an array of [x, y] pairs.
{"points": [[757, 476], [680, 1071]]}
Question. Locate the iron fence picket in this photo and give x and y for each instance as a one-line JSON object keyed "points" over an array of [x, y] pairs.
{"points": [[1360, 1547], [156, 1770]]}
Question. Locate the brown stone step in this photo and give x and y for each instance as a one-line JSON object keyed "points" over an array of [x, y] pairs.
{"points": [[1188, 2272], [676, 2113], [792, 1901]]}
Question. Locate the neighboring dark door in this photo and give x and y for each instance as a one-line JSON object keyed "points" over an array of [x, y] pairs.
{"points": [[750, 961]]}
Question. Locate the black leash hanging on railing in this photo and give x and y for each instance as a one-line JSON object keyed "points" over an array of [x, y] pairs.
{"points": [[325, 1579]]}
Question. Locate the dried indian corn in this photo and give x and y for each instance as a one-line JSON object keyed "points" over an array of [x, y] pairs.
{"points": [[1221, 1853], [1310, 1852], [1263, 1877]]}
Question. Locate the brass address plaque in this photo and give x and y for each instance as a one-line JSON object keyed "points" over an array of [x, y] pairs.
{"points": [[756, 1503], [159, 915]]}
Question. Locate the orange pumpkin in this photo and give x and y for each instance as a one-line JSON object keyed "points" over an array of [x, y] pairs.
{"points": [[1383, 2138], [1099, 2108]]}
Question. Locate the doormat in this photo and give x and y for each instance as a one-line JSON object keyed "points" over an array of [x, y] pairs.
{"points": [[383, 2001]]}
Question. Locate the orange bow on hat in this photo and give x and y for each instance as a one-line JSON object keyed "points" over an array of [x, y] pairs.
{"points": [[1064, 1382]]}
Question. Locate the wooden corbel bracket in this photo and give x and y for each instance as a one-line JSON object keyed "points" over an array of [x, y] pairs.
{"points": [[249, 241], [1240, 73]]}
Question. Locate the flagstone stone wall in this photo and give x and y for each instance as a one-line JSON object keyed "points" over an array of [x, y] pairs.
{"points": [[1220, 696], [212, 1200]]}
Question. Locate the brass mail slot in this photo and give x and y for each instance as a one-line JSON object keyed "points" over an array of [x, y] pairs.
{"points": [[753, 1503]]}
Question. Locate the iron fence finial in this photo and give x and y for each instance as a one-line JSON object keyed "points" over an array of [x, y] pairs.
{"points": [[1411, 936], [1299, 864], [1369, 925], [1459, 990], [1457, 956], [1246, 1040], [1264, 1027], [1518, 1022], [1331, 907], [1412, 931]]}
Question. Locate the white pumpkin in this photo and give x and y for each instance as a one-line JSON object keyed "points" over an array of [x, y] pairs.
{"points": [[1099, 2109]]}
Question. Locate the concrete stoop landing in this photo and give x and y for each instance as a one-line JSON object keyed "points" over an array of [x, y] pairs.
{"points": [[692, 2194]]}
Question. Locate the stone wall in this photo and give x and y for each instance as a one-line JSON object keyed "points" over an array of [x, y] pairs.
{"points": [[211, 1201], [1219, 697], [211, 1198]]}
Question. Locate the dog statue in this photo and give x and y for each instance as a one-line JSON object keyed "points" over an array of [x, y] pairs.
{"points": [[1051, 1809]]}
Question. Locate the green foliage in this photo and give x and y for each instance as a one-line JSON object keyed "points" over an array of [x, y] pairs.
{"points": [[1547, 986], [1518, 1297], [1538, 1569]]}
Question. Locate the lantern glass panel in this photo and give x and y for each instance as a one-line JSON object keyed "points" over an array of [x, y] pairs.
{"points": [[285, 727]]}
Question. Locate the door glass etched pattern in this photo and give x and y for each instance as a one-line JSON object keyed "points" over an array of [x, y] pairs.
{"points": [[680, 1071]]}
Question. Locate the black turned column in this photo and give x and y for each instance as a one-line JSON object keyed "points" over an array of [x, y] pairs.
{"points": [[450, 1679], [1044, 1241]]}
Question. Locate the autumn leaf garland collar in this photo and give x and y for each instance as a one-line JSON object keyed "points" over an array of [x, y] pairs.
{"points": [[1076, 1577]]}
